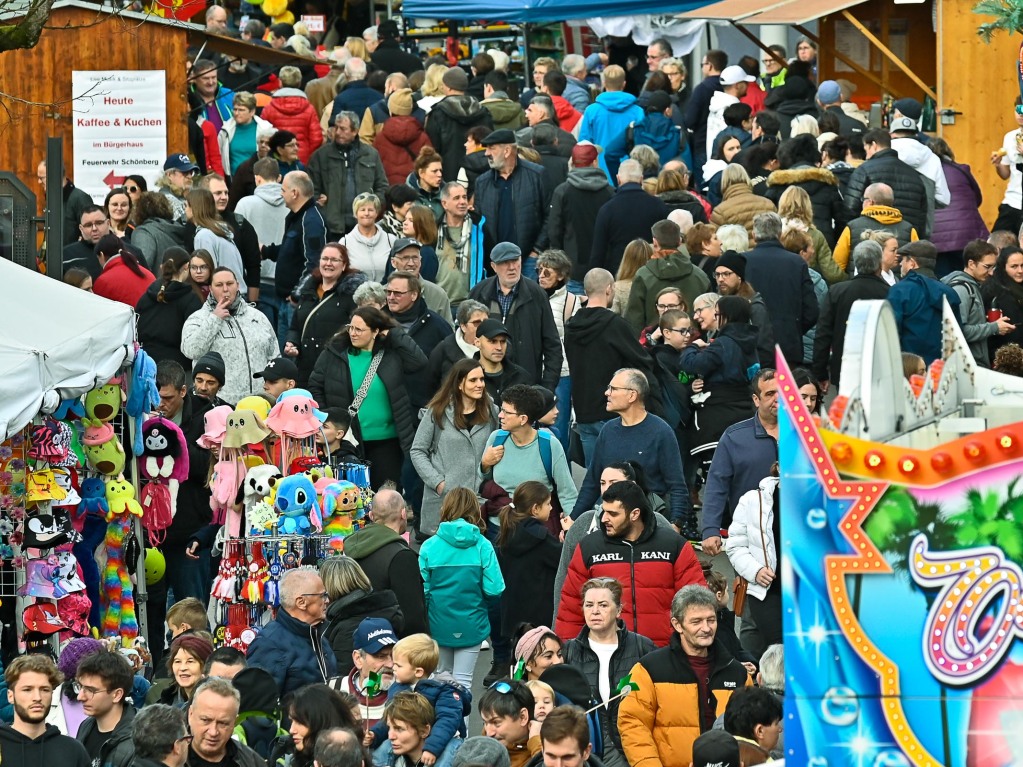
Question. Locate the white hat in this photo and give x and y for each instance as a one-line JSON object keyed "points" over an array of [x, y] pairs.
{"points": [[734, 75]]}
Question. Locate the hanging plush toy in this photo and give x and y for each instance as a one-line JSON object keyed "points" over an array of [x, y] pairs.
{"points": [[258, 494], [103, 404], [297, 505], [121, 499], [118, 597], [341, 503], [243, 429], [103, 451], [94, 497], [144, 397], [164, 464]]}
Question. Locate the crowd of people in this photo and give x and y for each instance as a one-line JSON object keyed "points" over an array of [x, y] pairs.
{"points": [[482, 288]]}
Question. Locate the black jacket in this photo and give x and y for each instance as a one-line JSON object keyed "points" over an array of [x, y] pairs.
{"points": [[631, 647], [625, 217], [317, 320], [573, 215], [555, 167], [160, 322], [535, 343], [847, 126], [345, 615], [529, 562], [885, 167], [597, 343], [530, 198], [305, 234], [118, 749], [822, 186], [428, 329], [680, 199], [389, 563], [830, 339], [510, 375], [50, 748], [783, 279], [193, 494], [444, 355], [448, 122], [389, 57], [331, 380]]}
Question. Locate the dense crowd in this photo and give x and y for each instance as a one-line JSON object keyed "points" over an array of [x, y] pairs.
{"points": [[482, 288]]}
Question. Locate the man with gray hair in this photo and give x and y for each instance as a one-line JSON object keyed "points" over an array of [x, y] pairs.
{"points": [[459, 244], [342, 169], [597, 343], [291, 647], [540, 111], [160, 737], [576, 91], [387, 560], [695, 676], [636, 435], [867, 285], [371, 37], [627, 216], [338, 747], [783, 279], [356, 96], [211, 720]]}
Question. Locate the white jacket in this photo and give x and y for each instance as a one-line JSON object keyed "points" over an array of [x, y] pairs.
{"points": [[926, 163], [746, 549], [719, 102]]}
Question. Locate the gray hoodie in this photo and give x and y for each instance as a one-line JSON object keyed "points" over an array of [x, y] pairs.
{"points": [[265, 210]]}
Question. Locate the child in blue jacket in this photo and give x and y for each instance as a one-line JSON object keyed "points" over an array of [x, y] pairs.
{"points": [[414, 659]]}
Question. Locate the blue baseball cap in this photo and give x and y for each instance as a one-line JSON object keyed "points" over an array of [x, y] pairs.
{"points": [[373, 635]]}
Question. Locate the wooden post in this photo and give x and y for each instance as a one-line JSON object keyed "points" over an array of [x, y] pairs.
{"points": [[757, 42], [847, 61], [888, 53]]}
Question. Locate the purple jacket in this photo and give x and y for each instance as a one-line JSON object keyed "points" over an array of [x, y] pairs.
{"points": [[959, 222]]}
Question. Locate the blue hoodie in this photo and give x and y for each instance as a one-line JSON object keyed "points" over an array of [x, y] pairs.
{"points": [[916, 302], [657, 131], [460, 572], [605, 122]]}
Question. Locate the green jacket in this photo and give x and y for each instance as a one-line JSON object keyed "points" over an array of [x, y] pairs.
{"points": [[674, 270], [329, 177]]}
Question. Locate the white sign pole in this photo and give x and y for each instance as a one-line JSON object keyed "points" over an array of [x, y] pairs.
{"points": [[119, 130]]}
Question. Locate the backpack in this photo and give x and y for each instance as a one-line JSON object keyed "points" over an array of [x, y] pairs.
{"points": [[544, 438]]}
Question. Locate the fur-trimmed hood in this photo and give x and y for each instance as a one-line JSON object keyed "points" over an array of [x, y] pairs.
{"points": [[802, 175]]}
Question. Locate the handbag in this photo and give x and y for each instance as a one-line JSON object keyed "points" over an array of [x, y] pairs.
{"points": [[741, 585], [371, 373]]}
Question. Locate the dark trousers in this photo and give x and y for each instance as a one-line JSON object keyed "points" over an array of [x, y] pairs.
{"points": [[385, 461], [500, 643], [767, 614], [1009, 219]]}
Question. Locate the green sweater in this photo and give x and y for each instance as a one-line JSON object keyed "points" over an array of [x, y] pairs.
{"points": [[375, 417]]}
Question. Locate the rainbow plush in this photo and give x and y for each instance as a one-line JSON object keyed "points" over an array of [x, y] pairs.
{"points": [[342, 502], [118, 597]]}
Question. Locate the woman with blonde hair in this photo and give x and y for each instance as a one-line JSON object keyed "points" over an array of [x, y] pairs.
{"points": [[357, 47], [433, 87], [213, 235], [636, 254], [796, 211], [738, 203], [889, 253], [369, 246], [352, 599]]}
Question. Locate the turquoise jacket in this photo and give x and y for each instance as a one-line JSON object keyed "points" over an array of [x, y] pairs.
{"points": [[460, 572]]}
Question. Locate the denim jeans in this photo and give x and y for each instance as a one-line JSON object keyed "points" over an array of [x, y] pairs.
{"points": [[588, 433], [562, 426], [576, 287], [529, 267], [284, 315]]}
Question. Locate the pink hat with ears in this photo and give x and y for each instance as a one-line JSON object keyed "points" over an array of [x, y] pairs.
{"points": [[215, 422]]}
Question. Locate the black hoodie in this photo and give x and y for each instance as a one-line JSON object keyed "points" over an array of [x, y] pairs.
{"points": [[50, 748], [161, 321], [597, 343], [448, 122], [529, 561]]}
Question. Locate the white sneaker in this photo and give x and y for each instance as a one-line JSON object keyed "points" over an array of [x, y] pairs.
{"points": [[485, 645]]}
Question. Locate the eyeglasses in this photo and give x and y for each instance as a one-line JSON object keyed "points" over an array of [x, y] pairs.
{"points": [[699, 309], [353, 329], [412, 258], [89, 692], [199, 268], [666, 307], [93, 225], [321, 594], [330, 260], [390, 292], [184, 738], [619, 388], [680, 331], [722, 274], [291, 145], [510, 414], [475, 323]]}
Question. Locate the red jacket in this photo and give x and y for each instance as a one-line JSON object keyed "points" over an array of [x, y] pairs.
{"points": [[119, 283], [214, 162], [651, 570], [398, 143], [291, 110], [567, 114], [755, 96]]}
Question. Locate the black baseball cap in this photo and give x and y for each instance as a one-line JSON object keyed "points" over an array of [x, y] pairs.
{"points": [[491, 329], [278, 368]]}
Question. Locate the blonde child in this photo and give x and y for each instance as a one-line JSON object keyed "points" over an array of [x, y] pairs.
{"points": [[543, 697]]}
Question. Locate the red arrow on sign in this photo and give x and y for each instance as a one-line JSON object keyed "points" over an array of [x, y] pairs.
{"points": [[111, 180]]}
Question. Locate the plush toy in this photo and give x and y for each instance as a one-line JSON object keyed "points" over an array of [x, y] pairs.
{"points": [[258, 493], [257, 403], [103, 404], [94, 498], [144, 397], [296, 503], [94, 529], [164, 465], [341, 503], [215, 423], [294, 416], [118, 597], [121, 499], [103, 451], [278, 11], [70, 408]]}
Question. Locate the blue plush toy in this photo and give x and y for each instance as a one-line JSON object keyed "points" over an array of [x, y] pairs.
{"points": [[296, 503], [144, 396]]}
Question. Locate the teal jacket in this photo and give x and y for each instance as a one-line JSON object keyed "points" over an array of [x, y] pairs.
{"points": [[460, 572]]}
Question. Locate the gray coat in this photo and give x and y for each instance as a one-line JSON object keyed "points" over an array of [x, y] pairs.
{"points": [[447, 455]]}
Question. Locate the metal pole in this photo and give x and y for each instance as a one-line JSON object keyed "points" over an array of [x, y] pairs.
{"points": [[53, 226]]}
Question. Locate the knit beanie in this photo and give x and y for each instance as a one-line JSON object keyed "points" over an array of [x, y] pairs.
{"points": [[73, 653], [733, 261], [481, 750], [400, 102], [456, 79], [212, 364], [194, 644]]}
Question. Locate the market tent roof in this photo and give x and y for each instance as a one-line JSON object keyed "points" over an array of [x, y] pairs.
{"points": [[541, 10], [769, 11], [59, 342]]}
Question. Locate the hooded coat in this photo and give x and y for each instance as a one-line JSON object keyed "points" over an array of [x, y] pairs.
{"points": [[461, 575], [266, 212], [154, 236], [529, 562], [674, 270], [739, 206], [822, 186], [245, 340], [346, 613], [657, 131], [976, 329], [448, 122], [916, 302], [389, 563], [290, 109], [651, 569], [444, 453], [118, 282], [161, 319], [679, 199], [877, 217], [398, 144], [960, 221], [573, 215], [795, 97], [224, 251], [319, 318], [830, 338], [604, 123], [49, 748], [505, 112], [719, 101], [567, 115]]}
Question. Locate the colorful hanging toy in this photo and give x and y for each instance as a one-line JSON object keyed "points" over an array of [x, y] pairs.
{"points": [[296, 503]]}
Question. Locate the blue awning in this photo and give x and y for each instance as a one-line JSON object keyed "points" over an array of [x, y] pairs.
{"points": [[520, 11]]}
